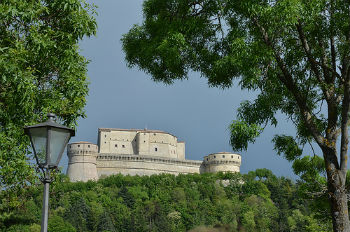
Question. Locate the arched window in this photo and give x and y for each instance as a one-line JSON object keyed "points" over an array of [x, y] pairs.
{"points": [[155, 149]]}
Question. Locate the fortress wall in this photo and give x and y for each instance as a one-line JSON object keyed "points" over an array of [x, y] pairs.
{"points": [[222, 162], [163, 150], [140, 152], [108, 164], [172, 151], [162, 144], [122, 142], [159, 149], [122, 135], [222, 167], [122, 147], [181, 150], [142, 141], [223, 156], [161, 137], [82, 161], [103, 141]]}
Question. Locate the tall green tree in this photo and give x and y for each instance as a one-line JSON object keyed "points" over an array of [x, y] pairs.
{"points": [[41, 71], [294, 53]]}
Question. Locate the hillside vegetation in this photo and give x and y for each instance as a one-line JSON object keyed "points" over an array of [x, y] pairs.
{"points": [[258, 201]]}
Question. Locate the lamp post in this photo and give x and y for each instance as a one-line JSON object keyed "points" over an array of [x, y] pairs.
{"points": [[48, 140]]}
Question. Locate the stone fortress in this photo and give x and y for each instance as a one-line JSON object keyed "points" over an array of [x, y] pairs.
{"points": [[140, 152]]}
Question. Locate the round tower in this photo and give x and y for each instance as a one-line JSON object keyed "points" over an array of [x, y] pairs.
{"points": [[82, 161], [222, 162]]}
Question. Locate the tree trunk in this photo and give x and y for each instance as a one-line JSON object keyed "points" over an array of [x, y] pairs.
{"points": [[337, 196]]}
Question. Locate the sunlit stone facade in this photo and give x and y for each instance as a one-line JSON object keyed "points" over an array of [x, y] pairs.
{"points": [[140, 152]]}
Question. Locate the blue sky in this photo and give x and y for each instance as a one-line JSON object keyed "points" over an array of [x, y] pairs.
{"points": [[125, 98]]}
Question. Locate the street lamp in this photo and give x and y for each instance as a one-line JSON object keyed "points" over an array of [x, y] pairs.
{"points": [[48, 140]]}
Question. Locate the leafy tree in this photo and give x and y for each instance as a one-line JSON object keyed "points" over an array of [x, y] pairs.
{"points": [[303, 223], [295, 54], [105, 222], [79, 214], [41, 71], [99, 206], [57, 224]]}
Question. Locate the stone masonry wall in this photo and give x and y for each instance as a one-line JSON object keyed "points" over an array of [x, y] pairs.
{"points": [[82, 161], [108, 164], [140, 152]]}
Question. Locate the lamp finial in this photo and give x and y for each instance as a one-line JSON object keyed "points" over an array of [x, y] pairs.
{"points": [[51, 116]]}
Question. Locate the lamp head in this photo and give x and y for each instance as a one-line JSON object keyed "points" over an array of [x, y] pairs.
{"points": [[48, 140]]}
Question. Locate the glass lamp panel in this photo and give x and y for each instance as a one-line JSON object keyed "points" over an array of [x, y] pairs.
{"points": [[39, 138], [58, 141]]}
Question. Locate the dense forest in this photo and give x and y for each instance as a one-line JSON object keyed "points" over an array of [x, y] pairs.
{"points": [[257, 201]]}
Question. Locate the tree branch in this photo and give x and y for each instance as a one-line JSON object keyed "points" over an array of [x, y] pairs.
{"points": [[312, 61], [287, 80], [326, 83]]}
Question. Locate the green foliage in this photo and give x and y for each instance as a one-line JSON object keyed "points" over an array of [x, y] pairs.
{"points": [[293, 53], [303, 223], [258, 201], [287, 145], [242, 133], [57, 224], [41, 71]]}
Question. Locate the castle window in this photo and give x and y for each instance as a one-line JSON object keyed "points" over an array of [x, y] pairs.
{"points": [[105, 136], [88, 145], [123, 146], [214, 157], [238, 157], [207, 159], [78, 145], [156, 149], [154, 134], [116, 145], [144, 141], [232, 156], [223, 156]]}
